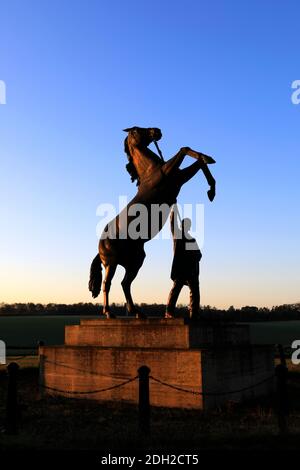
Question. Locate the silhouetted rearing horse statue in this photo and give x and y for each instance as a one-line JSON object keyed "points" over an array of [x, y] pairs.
{"points": [[159, 183]]}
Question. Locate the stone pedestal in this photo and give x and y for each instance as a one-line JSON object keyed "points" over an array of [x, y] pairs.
{"points": [[102, 353]]}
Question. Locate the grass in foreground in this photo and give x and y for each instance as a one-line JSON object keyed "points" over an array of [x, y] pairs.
{"points": [[49, 423]]}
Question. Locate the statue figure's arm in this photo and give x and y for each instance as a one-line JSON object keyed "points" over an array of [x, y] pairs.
{"points": [[174, 222]]}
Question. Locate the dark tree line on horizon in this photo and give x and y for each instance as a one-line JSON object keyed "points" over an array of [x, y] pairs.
{"points": [[247, 313]]}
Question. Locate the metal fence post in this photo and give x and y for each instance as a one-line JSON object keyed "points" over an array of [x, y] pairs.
{"points": [[144, 399], [11, 422]]}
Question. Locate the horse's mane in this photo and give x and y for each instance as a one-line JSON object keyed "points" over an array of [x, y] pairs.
{"points": [[130, 165]]}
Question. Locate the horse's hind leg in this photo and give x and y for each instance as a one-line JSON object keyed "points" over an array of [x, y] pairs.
{"points": [[109, 274], [130, 275]]}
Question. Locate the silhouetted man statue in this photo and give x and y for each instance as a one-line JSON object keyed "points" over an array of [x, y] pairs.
{"points": [[185, 266]]}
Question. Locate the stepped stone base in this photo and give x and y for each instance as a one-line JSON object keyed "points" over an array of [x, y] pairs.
{"points": [[99, 354], [153, 333]]}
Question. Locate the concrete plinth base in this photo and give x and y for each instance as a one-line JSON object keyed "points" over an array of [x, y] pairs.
{"points": [[100, 354]]}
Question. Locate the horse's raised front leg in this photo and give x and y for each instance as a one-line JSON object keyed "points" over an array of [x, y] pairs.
{"points": [[109, 274], [190, 171], [175, 162], [199, 156], [187, 173], [211, 181]]}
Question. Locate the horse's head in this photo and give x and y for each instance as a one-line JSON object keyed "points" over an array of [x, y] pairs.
{"points": [[142, 136], [139, 137]]}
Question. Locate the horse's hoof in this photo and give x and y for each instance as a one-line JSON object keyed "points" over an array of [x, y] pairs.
{"points": [[208, 160], [140, 315], [109, 315]]}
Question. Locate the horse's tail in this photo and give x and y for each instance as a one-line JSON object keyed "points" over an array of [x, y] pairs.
{"points": [[95, 276]]}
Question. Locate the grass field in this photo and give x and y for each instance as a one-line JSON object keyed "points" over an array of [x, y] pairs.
{"points": [[28, 330]]}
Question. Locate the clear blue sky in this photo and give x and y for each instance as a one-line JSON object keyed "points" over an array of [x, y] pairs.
{"points": [[213, 75]]}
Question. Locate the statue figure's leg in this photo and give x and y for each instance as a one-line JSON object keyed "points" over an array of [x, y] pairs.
{"points": [[194, 298], [109, 274], [173, 297]]}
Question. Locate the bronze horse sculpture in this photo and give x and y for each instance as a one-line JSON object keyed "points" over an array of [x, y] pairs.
{"points": [[159, 183]]}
